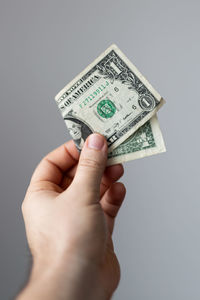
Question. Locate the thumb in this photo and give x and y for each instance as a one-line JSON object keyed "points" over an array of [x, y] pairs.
{"points": [[91, 166]]}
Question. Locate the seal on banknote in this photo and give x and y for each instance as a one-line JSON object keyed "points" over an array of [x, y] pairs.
{"points": [[106, 108], [78, 130]]}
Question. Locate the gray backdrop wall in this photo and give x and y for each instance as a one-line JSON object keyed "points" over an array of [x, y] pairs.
{"points": [[43, 45]]}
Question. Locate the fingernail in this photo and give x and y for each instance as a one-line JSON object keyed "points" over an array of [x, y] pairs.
{"points": [[95, 141]]}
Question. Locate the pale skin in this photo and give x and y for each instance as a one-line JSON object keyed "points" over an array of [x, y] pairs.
{"points": [[69, 212]]}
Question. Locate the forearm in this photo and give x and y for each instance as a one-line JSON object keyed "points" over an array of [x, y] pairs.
{"points": [[70, 280]]}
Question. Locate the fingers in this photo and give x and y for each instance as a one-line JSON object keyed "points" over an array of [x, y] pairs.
{"points": [[53, 165], [111, 174], [91, 166], [112, 201]]}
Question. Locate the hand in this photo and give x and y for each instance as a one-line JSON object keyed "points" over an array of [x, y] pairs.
{"points": [[69, 212]]}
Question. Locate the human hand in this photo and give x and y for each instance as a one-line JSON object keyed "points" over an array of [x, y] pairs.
{"points": [[69, 212]]}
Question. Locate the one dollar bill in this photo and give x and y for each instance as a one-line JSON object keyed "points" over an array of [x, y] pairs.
{"points": [[110, 97]]}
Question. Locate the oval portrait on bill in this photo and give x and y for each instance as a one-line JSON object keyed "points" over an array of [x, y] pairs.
{"points": [[78, 130]]}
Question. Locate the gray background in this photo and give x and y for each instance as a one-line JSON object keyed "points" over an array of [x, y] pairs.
{"points": [[43, 45]]}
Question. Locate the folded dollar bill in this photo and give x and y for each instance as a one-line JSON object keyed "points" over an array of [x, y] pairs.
{"points": [[110, 97], [146, 141]]}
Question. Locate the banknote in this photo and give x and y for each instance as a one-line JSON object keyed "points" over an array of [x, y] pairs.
{"points": [[110, 97], [146, 141]]}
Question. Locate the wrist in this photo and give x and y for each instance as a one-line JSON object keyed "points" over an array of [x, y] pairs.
{"points": [[67, 278], [69, 265]]}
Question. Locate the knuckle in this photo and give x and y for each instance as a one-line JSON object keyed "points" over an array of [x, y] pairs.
{"points": [[90, 163]]}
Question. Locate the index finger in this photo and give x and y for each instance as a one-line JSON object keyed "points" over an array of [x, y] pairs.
{"points": [[54, 164]]}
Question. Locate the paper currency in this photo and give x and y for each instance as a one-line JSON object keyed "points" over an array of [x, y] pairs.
{"points": [[146, 141], [110, 97]]}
